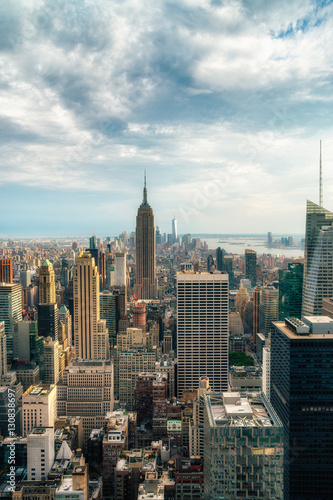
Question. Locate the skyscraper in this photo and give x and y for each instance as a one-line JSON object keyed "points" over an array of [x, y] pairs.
{"points": [[48, 314], [202, 329], [174, 230], [47, 293], [290, 291], [120, 269], [6, 271], [219, 259], [301, 393], [90, 332], [145, 249], [268, 309], [10, 311], [251, 266], [318, 259]]}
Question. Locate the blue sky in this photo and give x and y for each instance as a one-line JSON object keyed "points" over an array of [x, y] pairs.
{"points": [[223, 102]]}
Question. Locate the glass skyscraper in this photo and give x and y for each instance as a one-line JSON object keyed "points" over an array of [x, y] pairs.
{"points": [[302, 395], [290, 291], [251, 266], [318, 261]]}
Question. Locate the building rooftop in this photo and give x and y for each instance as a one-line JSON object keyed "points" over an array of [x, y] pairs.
{"points": [[230, 409], [39, 390], [46, 263], [293, 335]]}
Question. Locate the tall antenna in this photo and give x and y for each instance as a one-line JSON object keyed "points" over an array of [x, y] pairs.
{"points": [[320, 180]]}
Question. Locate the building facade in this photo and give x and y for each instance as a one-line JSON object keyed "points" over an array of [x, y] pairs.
{"points": [[302, 395], [243, 454], [202, 329], [145, 250], [318, 259], [90, 334]]}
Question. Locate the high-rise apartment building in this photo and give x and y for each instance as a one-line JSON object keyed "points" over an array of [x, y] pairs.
{"points": [[90, 334], [6, 271], [318, 259], [302, 396], [145, 250], [269, 308], [251, 266], [290, 291], [243, 453], [39, 407], [202, 329]]}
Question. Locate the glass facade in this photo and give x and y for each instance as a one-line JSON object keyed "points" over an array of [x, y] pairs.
{"points": [[290, 291], [243, 453], [318, 262], [302, 396]]}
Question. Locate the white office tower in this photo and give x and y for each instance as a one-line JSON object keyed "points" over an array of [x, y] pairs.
{"points": [[90, 336], [202, 329], [174, 230], [120, 262], [39, 407], [3, 349], [266, 372], [40, 453]]}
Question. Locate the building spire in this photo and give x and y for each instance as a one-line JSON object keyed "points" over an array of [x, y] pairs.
{"points": [[145, 197], [320, 180]]}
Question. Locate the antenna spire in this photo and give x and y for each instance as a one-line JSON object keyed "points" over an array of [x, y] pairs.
{"points": [[145, 196], [320, 179]]}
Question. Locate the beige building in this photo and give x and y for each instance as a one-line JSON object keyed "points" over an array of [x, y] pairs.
{"points": [[39, 407], [90, 333], [47, 294], [132, 355], [51, 361], [86, 390]]}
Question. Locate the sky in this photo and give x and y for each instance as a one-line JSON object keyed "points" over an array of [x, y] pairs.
{"points": [[222, 102]]}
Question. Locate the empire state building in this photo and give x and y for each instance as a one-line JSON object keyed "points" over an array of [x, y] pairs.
{"points": [[145, 250]]}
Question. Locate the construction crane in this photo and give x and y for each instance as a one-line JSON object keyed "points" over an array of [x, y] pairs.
{"points": [[136, 296]]}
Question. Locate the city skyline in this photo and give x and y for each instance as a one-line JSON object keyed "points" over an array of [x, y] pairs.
{"points": [[174, 89]]}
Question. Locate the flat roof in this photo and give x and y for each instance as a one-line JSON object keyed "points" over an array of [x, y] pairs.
{"points": [[237, 411], [280, 325], [39, 390], [319, 319]]}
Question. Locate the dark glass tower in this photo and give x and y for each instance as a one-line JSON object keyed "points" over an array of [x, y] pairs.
{"points": [[251, 266], [290, 291], [302, 395], [145, 250]]}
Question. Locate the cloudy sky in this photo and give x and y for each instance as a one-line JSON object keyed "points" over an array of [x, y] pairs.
{"points": [[223, 102]]}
